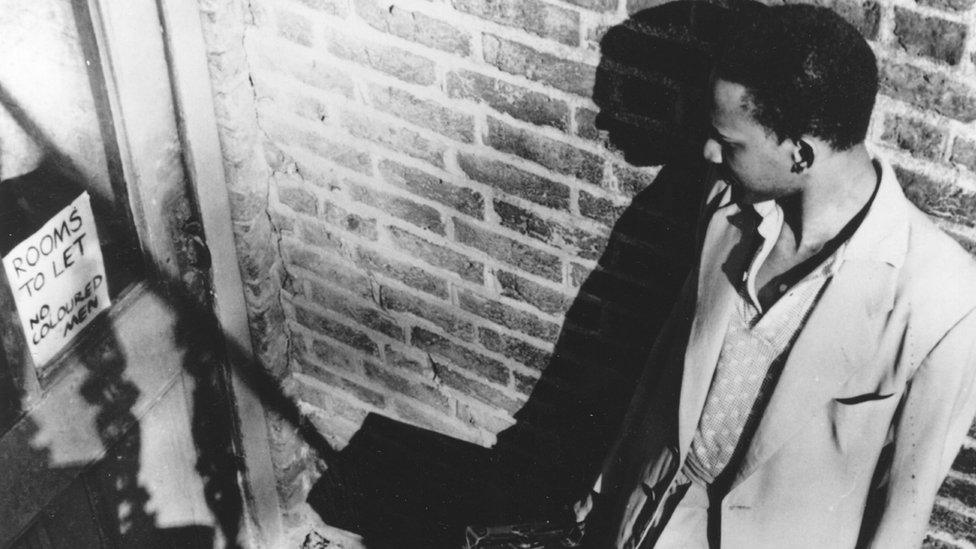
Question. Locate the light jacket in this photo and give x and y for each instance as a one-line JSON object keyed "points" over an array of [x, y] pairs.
{"points": [[870, 409]]}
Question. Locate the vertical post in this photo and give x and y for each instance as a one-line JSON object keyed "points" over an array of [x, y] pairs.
{"points": [[198, 124]]}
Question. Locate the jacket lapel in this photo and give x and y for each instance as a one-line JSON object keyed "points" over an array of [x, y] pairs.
{"points": [[840, 336], [723, 240], [844, 328]]}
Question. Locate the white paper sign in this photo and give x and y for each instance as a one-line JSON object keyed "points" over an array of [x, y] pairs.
{"points": [[57, 277]]}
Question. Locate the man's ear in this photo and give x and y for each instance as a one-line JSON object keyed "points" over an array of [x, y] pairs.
{"points": [[802, 155]]}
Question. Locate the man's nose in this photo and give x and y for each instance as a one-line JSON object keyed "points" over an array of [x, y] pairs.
{"points": [[712, 151]]}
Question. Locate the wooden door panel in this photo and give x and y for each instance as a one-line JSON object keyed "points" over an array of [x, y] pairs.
{"points": [[70, 522], [84, 413]]}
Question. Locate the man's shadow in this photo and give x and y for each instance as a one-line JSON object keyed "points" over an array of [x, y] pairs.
{"points": [[401, 486]]}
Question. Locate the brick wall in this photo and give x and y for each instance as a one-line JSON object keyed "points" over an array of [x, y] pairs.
{"points": [[438, 200]]}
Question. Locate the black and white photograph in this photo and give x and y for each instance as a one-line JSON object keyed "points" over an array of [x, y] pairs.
{"points": [[488, 274]]}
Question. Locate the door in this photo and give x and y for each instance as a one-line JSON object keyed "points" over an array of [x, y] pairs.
{"points": [[130, 433]]}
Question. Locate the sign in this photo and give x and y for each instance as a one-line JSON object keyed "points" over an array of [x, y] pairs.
{"points": [[57, 277]]}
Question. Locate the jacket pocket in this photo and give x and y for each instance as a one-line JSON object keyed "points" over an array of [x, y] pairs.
{"points": [[866, 397]]}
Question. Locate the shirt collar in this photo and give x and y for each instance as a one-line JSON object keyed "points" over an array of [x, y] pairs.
{"points": [[882, 235]]}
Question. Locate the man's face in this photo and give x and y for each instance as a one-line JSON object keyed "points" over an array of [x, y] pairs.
{"points": [[750, 158]]}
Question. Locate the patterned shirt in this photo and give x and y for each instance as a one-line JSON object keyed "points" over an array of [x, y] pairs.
{"points": [[754, 350]]}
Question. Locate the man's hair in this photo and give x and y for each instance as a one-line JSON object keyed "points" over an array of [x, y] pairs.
{"points": [[806, 71]]}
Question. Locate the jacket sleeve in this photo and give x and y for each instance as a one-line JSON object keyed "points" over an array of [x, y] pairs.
{"points": [[936, 412]]}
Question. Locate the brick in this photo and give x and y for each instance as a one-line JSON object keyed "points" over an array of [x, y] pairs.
{"points": [[415, 277], [463, 357], [356, 224], [326, 326], [414, 26], [294, 27], [514, 181], [318, 236], [441, 316], [933, 37], [363, 393], [326, 267], [531, 106], [939, 198], [298, 199], [402, 386], [437, 255], [515, 349], [421, 183], [598, 208], [479, 391], [570, 239], [431, 420], [864, 15], [964, 492], [964, 153], [328, 401], [959, 526], [337, 8], [483, 417], [929, 90], [394, 61], [394, 137], [632, 181], [327, 147], [319, 172], [286, 97], [949, 5], [913, 135], [595, 5], [965, 461], [420, 215], [578, 274], [555, 155], [521, 60], [364, 314], [270, 60], [525, 383], [594, 36], [586, 124], [334, 356], [931, 543], [400, 360], [541, 297], [510, 251], [539, 18], [338, 431], [423, 112], [507, 316]]}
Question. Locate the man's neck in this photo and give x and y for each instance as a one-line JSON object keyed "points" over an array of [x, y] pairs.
{"points": [[842, 184]]}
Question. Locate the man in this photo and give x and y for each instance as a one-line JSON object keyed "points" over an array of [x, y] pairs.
{"points": [[820, 362]]}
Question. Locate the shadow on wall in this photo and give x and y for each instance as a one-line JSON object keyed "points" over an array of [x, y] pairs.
{"points": [[400, 486]]}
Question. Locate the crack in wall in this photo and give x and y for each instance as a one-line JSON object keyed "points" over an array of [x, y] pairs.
{"points": [[286, 277]]}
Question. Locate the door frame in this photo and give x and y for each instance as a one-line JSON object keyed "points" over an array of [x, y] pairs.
{"points": [[137, 42], [204, 161]]}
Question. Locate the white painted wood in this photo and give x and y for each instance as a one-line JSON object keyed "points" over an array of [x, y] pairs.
{"points": [[201, 146], [51, 445]]}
